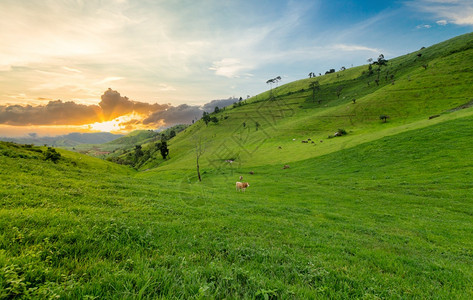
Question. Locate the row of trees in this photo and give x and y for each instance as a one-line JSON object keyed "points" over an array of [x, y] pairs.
{"points": [[207, 118], [314, 86], [139, 155]]}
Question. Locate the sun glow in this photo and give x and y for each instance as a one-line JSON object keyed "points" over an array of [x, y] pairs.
{"points": [[121, 124]]}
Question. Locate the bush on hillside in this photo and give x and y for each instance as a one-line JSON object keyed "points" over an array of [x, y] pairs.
{"points": [[52, 155], [339, 132], [384, 118]]}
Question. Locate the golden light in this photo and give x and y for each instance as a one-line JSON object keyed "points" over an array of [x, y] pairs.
{"points": [[121, 124]]}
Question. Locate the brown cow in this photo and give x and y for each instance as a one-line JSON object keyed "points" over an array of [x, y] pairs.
{"points": [[241, 186]]}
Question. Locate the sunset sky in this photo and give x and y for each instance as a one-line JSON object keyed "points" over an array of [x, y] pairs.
{"points": [[74, 65]]}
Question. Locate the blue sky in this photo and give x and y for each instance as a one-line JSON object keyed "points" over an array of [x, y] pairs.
{"points": [[195, 51]]}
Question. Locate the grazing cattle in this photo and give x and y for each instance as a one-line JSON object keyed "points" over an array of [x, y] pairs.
{"points": [[279, 147], [241, 178], [304, 142], [251, 172], [286, 167], [241, 186], [309, 139]]}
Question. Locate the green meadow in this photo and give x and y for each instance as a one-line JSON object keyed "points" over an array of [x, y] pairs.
{"points": [[384, 211]]}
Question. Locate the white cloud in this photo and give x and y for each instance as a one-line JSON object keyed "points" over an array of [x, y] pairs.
{"points": [[165, 87], [350, 48], [229, 67], [459, 12], [442, 22], [71, 69], [426, 26]]}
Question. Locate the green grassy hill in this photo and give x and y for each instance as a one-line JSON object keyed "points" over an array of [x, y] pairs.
{"points": [[382, 212], [417, 93], [68, 141]]}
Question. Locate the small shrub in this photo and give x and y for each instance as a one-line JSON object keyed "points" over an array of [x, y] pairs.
{"points": [[384, 118], [52, 155]]}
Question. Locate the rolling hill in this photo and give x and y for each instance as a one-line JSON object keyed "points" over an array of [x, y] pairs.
{"points": [[382, 212], [432, 81], [65, 141]]}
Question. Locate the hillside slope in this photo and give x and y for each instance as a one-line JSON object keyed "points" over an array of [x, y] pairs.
{"points": [[385, 219], [382, 212], [411, 88], [65, 141]]}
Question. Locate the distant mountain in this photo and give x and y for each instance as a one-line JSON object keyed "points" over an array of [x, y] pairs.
{"points": [[68, 140], [134, 138]]}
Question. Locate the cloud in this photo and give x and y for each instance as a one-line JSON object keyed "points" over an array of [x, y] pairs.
{"points": [[229, 67], [165, 87], [442, 22], [175, 115], [53, 113], [459, 12], [344, 47], [71, 69], [425, 26], [210, 106], [184, 113], [111, 106], [114, 105]]}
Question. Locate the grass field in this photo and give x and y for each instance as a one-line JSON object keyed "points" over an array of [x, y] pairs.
{"points": [[376, 220], [383, 212]]}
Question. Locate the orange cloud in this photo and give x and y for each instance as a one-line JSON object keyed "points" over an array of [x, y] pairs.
{"points": [[57, 112], [114, 105]]}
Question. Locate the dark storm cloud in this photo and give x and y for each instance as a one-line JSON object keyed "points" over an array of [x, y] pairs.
{"points": [[53, 113]]}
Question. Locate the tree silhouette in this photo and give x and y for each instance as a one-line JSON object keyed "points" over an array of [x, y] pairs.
{"points": [[270, 82], [206, 117], [315, 86], [199, 148], [381, 61], [163, 149], [339, 91], [384, 118], [138, 151]]}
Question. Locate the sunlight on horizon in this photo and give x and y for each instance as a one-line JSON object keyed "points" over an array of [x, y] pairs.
{"points": [[122, 124]]}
